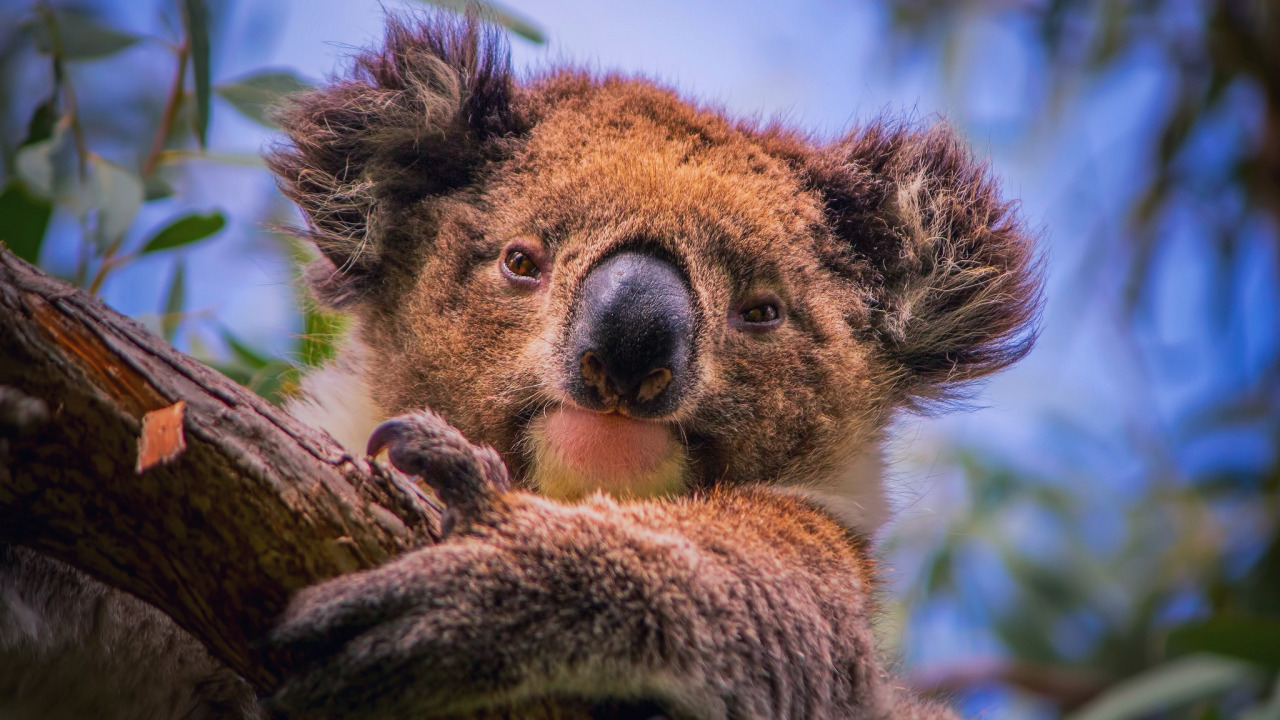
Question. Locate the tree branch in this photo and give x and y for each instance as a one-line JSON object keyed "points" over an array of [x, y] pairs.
{"points": [[227, 506], [1069, 687]]}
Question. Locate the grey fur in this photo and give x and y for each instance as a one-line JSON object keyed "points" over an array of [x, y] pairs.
{"points": [[72, 648]]}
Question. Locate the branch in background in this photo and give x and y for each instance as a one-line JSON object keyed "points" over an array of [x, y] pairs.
{"points": [[171, 104], [1067, 687]]}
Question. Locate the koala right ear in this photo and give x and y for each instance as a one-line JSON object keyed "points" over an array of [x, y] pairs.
{"points": [[415, 118], [947, 278]]}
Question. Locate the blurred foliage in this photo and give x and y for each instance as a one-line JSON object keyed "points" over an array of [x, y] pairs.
{"points": [[1224, 60], [54, 167], [52, 164], [1179, 616]]}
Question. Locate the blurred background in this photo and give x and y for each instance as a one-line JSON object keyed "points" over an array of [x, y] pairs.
{"points": [[1096, 537]]}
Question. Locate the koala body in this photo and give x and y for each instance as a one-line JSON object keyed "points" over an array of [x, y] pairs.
{"points": [[618, 291], [661, 349]]}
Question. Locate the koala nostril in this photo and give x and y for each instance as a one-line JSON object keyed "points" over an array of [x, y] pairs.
{"points": [[595, 376], [631, 337], [652, 385]]}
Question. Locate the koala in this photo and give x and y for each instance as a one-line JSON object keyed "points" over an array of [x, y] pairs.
{"points": [[660, 349], [646, 355]]}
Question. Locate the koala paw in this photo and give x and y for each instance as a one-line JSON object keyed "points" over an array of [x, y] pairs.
{"points": [[466, 477]]}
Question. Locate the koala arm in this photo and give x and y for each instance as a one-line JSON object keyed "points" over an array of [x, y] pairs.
{"points": [[737, 603]]}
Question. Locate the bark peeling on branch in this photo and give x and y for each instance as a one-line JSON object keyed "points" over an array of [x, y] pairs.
{"points": [[217, 536]]}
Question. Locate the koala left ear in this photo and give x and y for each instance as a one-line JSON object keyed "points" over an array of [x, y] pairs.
{"points": [[946, 272], [416, 118]]}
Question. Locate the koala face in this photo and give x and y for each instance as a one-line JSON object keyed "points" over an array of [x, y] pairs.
{"points": [[619, 290], [633, 302]]}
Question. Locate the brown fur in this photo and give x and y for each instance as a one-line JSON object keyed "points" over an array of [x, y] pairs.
{"points": [[726, 605], [902, 274]]}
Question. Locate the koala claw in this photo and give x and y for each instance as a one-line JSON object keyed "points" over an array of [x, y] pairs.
{"points": [[465, 476]]}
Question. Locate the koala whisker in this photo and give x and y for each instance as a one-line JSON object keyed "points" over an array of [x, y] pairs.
{"points": [[684, 436]]}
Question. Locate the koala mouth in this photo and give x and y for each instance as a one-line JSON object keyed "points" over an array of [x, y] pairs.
{"points": [[576, 452]]}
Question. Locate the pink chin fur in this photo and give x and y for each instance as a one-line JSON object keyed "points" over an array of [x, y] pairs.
{"points": [[607, 445]]}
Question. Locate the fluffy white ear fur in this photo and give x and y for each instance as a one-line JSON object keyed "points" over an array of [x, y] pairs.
{"points": [[336, 399]]}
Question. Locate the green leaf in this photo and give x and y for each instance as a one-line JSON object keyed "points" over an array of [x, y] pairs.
{"points": [[49, 167], [940, 575], [175, 301], [1255, 640], [1172, 684], [42, 122], [244, 355], [1022, 629], [255, 95], [80, 37], [235, 371], [156, 187], [1053, 586], [112, 193], [275, 382], [496, 14], [271, 378], [320, 334], [195, 16], [115, 193], [24, 221], [185, 230]]}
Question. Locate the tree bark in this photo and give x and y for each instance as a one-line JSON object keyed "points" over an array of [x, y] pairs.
{"points": [[159, 476]]}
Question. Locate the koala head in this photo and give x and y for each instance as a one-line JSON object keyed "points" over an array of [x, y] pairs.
{"points": [[619, 289]]}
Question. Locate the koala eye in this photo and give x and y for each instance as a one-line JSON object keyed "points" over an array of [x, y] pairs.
{"points": [[760, 313], [519, 266]]}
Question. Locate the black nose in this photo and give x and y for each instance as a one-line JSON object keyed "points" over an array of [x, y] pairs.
{"points": [[630, 342]]}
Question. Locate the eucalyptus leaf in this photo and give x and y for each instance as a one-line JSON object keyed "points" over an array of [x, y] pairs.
{"points": [[81, 37], [940, 575], [1255, 640], [320, 334], [1172, 684], [156, 187], [244, 355], [255, 95], [175, 301], [494, 13], [49, 168], [42, 122], [236, 371], [116, 194], [24, 220], [252, 160], [275, 381], [195, 16], [185, 230]]}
